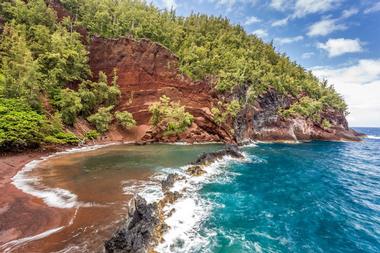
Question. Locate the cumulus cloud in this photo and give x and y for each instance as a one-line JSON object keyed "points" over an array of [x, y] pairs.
{"points": [[260, 33], [373, 8], [325, 27], [359, 84], [288, 40], [336, 47], [167, 4], [252, 20]]}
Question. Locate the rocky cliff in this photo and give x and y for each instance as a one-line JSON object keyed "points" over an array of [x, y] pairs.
{"points": [[147, 70]]}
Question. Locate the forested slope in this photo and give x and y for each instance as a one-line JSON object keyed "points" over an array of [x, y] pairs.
{"points": [[47, 85]]}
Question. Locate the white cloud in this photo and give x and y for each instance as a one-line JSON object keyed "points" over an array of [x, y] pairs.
{"points": [[336, 47], [252, 20], [278, 4], [325, 27], [260, 33], [349, 13], [307, 55], [281, 22], [302, 8], [232, 3], [288, 40], [360, 86], [305, 7], [373, 8]]}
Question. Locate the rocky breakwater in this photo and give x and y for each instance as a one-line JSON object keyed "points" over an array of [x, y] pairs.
{"points": [[145, 226]]}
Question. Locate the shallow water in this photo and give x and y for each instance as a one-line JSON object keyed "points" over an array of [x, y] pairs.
{"points": [[310, 197], [97, 186]]}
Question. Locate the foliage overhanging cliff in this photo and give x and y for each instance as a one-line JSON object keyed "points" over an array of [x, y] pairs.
{"points": [[47, 57]]}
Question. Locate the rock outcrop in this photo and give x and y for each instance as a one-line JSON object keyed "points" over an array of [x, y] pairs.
{"points": [[145, 225], [138, 234], [207, 158]]}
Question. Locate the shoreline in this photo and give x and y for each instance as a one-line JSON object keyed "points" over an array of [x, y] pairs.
{"points": [[146, 225], [32, 209], [24, 217]]}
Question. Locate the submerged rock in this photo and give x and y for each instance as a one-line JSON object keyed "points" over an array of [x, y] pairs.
{"points": [[137, 235], [230, 150]]}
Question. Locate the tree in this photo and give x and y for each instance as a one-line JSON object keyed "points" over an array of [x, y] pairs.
{"points": [[19, 70], [69, 104]]}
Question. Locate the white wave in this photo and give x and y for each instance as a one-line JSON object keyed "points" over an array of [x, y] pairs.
{"points": [[54, 197], [375, 137], [188, 213], [150, 190], [10, 246]]}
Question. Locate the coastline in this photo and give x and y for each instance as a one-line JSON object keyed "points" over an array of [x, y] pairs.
{"points": [[31, 209], [24, 217], [147, 227]]}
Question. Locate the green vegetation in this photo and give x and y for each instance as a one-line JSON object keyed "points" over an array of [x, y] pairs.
{"points": [[206, 45], [125, 119], [20, 126], [40, 57], [92, 135], [225, 111], [171, 116], [305, 107], [101, 119], [326, 124]]}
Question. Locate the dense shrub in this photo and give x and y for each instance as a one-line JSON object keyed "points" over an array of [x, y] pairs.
{"points": [[170, 115], [101, 119], [305, 107], [20, 126], [91, 135], [62, 138], [125, 119], [224, 111], [69, 104]]}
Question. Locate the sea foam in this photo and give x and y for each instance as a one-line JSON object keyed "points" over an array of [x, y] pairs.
{"points": [[53, 197], [185, 216]]}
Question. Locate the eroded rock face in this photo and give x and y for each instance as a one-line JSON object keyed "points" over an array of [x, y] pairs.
{"points": [[261, 121], [146, 71], [137, 235]]}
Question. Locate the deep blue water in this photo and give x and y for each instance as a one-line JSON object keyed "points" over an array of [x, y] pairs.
{"points": [[311, 197]]}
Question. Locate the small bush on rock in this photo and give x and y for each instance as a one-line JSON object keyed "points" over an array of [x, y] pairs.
{"points": [[125, 119], [170, 115]]}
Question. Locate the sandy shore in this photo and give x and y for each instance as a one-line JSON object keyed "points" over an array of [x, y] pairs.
{"points": [[22, 215]]}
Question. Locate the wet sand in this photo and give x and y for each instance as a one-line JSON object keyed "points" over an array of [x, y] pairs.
{"points": [[22, 215]]}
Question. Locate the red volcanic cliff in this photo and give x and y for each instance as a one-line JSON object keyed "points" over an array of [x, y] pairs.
{"points": [[147, 70]]}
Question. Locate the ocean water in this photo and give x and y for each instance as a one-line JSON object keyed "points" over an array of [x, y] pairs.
{"points": [[310, 197]]}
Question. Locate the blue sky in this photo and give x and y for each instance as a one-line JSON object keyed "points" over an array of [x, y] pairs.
{"points": [[336, 39]]}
